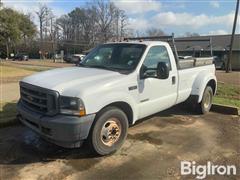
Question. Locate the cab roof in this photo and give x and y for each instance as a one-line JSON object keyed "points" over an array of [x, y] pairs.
{"points": [[147, 43]]}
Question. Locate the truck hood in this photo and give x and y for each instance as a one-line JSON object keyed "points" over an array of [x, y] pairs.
{"points": [[64, 80]]}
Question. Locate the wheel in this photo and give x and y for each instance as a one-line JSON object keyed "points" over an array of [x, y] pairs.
{"points": [[205, 105], [109, 131]]}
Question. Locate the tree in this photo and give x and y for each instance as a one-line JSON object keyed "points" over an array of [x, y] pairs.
{"points": [[106, 13], [14, 27], [155, 32], [123, 23], [98, 22], [42, 14], [26, 26], [1, 5]]}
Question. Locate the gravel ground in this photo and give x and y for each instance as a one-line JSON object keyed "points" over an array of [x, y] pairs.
{"points": [[153, 150]]}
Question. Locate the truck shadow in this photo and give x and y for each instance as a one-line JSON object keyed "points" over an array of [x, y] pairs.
{"points": [[180, 109], [20, 146], [8, 114]]}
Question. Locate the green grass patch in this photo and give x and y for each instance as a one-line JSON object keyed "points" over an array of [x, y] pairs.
{"points": [[228, 91], [226, 101], [228, 95]]}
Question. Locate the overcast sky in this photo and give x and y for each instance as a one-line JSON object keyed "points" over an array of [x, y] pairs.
{"points": [[178, 16]]}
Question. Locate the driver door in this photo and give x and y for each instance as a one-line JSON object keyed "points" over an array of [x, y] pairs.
{"points": [[156, 94]]}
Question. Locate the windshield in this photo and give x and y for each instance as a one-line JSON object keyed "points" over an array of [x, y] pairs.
{"points": [[118, 57]]}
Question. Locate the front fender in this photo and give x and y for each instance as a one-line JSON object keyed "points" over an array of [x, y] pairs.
{"points": [[94, 105], [201, 82]]}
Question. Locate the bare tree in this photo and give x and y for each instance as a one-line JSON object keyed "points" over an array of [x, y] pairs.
{"points": [[42, 17], [155, 32], [123, 23], [98, 22], [64, 25], [106, 12]]}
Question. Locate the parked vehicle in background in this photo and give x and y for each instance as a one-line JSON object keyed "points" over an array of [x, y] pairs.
{"points": [[115, 85], [219, 63], [76, 58], [73, 58], [57, 56], [21, 57], [68, 58]]}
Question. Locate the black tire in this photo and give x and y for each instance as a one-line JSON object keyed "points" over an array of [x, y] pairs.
{"points": [[205, 105], [97, 139]]}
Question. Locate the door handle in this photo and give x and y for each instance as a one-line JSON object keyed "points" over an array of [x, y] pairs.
{"points": [[173, 79]]}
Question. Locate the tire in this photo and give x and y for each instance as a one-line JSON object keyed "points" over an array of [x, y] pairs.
{"points": [[111, 122], [205, 105]]}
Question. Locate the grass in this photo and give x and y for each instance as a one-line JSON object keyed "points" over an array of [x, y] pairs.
{"points": [[10, 72], [7, 71], [228, 95], [13, 70], [228, 102]]}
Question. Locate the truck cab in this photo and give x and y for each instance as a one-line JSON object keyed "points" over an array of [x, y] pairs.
{"points": [[114, 86]]}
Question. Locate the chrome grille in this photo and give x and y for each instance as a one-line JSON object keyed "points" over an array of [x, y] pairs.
{"points": [[39, 99]]}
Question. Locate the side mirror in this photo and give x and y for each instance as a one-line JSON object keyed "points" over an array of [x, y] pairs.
{"points": [[162, 70]]}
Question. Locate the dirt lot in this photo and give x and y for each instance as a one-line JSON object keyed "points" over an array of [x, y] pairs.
{"points": [[232, 78], [153, 150]]}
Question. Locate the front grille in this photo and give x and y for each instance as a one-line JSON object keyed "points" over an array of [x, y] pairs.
{"points": [[39, 99]]}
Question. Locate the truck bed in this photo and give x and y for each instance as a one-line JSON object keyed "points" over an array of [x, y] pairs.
{"points": [[191, 62]]}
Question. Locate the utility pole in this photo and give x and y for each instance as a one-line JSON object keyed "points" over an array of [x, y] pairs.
{"points": [[229, 68]]}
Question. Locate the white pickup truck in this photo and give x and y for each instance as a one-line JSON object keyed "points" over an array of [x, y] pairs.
{"points": [[115, 85]]}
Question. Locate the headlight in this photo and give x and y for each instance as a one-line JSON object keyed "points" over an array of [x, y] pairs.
{"points": [[72, 106]]}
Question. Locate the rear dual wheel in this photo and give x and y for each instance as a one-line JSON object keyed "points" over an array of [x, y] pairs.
{"points": [[205, 105]]}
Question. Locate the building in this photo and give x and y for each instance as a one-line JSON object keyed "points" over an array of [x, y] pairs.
{"points": [[220, 47]]}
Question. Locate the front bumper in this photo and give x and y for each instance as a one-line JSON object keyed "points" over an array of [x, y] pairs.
{"points": [[63, 130]]}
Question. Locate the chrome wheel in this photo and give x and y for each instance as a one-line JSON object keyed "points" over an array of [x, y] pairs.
{"points": [[111, 131], [207, 100]]}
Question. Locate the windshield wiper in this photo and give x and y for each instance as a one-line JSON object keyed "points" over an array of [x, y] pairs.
{"points": [[104, 67], [98, 66], [120, 70]]}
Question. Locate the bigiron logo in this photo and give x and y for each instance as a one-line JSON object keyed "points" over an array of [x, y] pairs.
{"points": [[202, 171]]}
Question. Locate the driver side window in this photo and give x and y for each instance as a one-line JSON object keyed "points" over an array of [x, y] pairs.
{"points": [[155, 55]]}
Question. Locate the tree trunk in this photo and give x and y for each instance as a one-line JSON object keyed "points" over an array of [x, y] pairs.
{"points": [[41, 39], [7, 50]]}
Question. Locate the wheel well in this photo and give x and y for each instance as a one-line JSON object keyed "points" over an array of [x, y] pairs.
{"points": [[125, 107], [212, 84]]}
